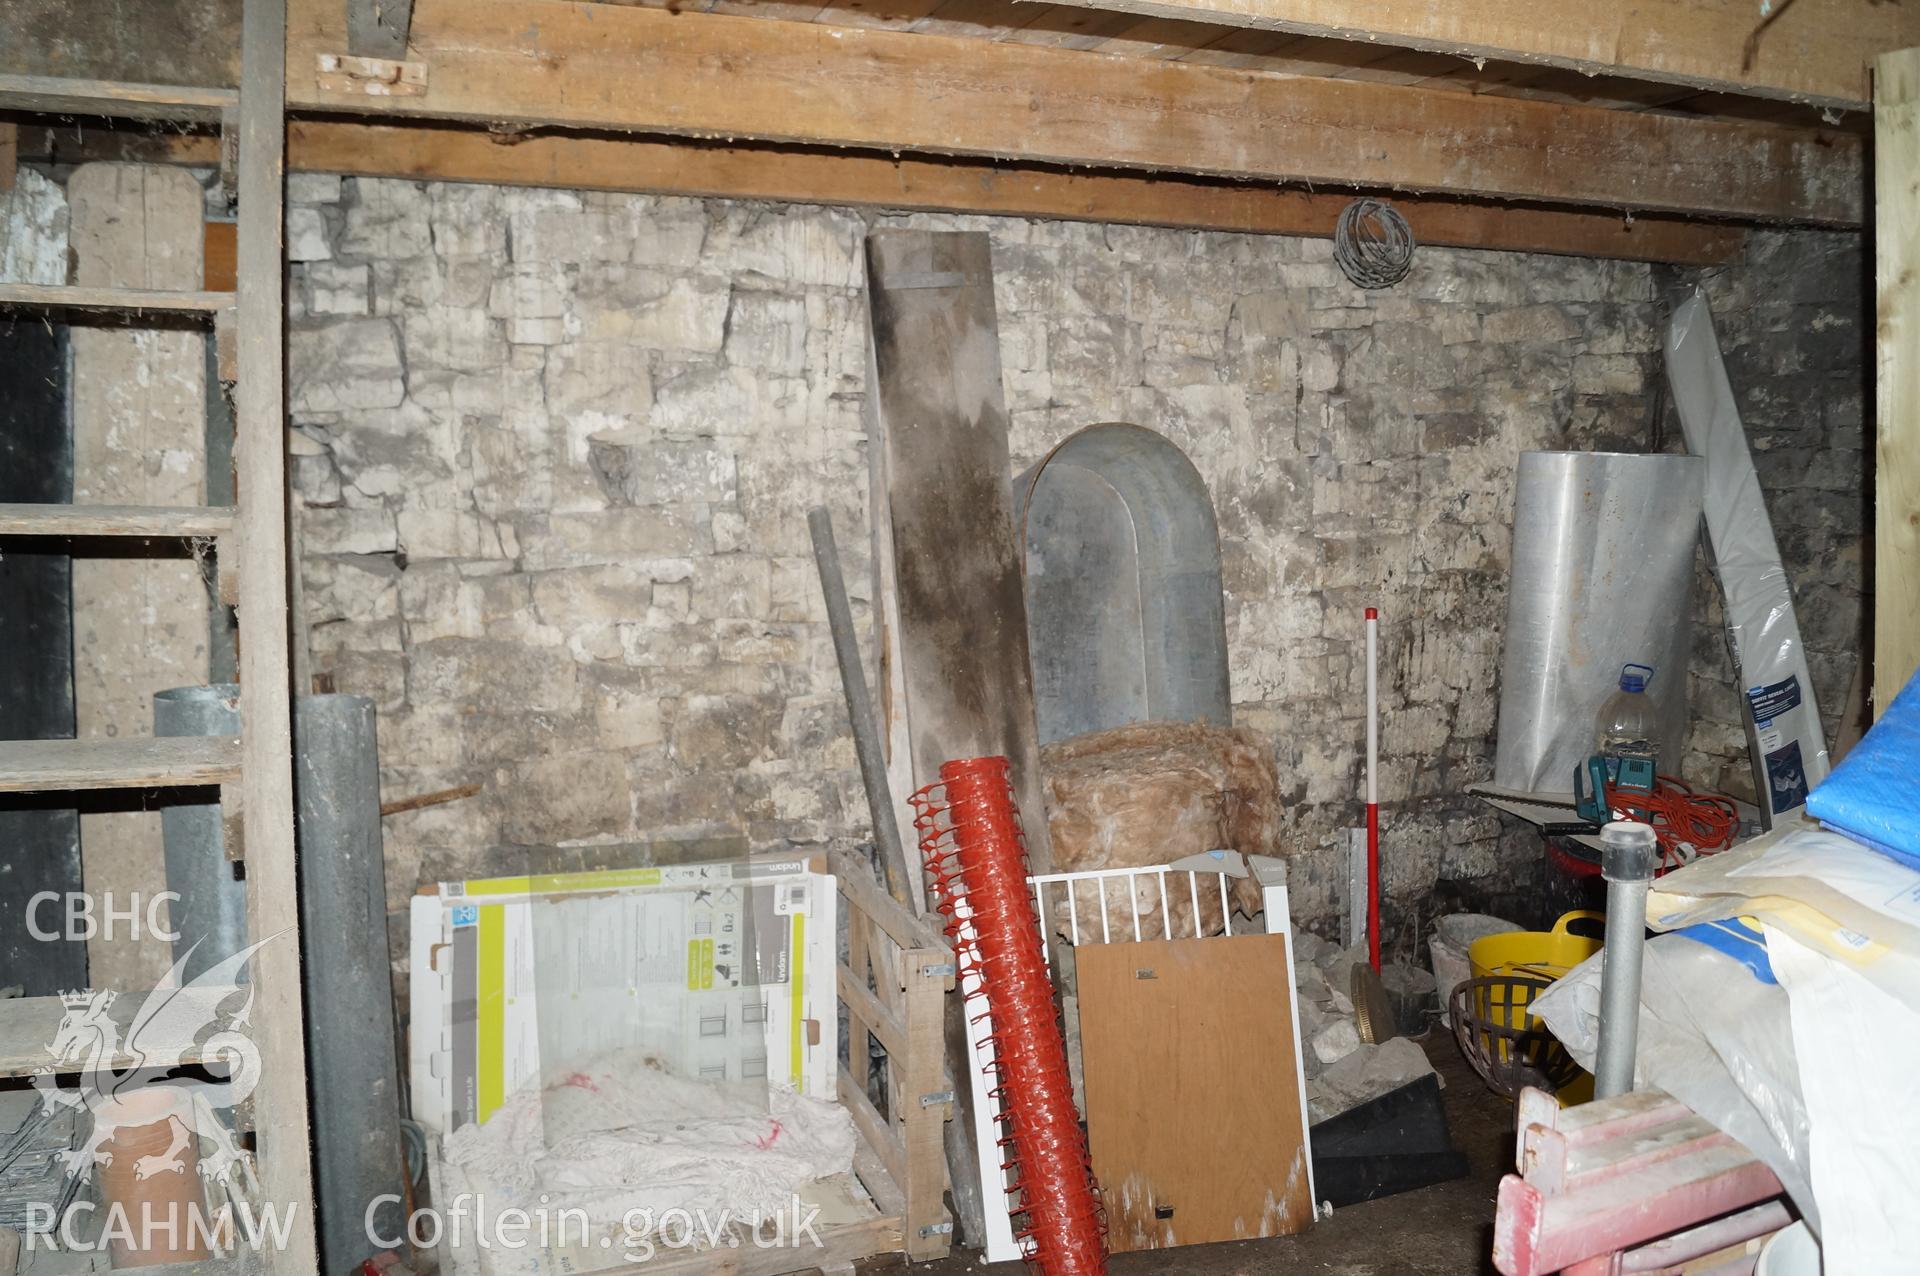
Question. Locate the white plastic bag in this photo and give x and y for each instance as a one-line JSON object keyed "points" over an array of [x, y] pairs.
{"points": [[1711, 1035], [1828, 891], [1856, 1047]]}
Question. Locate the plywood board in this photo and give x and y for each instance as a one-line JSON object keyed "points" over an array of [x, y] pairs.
{"points": [[1186, 1149]]}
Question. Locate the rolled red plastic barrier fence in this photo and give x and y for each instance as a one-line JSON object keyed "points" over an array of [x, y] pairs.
{"points": [[976, 865]]}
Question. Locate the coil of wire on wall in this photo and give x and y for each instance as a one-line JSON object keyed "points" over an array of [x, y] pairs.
{"points": [[975, 854], [1373, 244]]}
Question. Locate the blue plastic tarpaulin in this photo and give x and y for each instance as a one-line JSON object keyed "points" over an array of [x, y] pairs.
{"points": [[1873, 796]]}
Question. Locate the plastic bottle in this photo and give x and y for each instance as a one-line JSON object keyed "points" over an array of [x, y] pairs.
{"points": [[1626, 726]]}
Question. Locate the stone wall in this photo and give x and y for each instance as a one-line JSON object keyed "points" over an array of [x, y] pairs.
{"points": [[558, 451]]}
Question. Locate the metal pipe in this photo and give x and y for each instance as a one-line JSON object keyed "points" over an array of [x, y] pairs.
{"points": [[1708, 1238], [1627, 853], [352, 1063], [866, 730], [210, 915], [1373, 789]]}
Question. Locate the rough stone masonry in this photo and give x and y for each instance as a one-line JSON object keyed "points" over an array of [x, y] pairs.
{"points": [[557, 452]]}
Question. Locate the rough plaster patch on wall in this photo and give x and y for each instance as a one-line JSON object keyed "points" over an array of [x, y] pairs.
{"points": [[615, 411]]}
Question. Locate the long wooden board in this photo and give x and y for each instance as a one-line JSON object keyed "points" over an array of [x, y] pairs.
{"points": [[955, 678], [260, 469], [112, 300], [29, 1026], [552, 62], [1188, 1145], [948, 486], [114, 520], [115, 98], [56, 766], [431, 150], [1800, 52], [1896, 549]]}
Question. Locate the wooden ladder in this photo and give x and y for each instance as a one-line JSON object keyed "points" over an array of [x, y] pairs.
{"points": [[251, 541]]}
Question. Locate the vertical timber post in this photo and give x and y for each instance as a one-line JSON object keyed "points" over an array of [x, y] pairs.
{"points": [[1896, 541], [280, 1101]]}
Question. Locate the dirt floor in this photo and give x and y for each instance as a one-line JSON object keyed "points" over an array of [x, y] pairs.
{"points": [[1438, 1231]]}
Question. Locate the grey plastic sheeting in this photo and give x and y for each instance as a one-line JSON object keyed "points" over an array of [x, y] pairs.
{"points": [[1125, 618], [1603, 546]]}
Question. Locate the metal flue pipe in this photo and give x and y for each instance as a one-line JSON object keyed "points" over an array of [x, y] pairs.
{"points": [[1627, 854]]}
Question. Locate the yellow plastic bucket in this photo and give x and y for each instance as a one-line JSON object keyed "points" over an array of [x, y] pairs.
{"points": [[1544, 954], [1531, 954]]}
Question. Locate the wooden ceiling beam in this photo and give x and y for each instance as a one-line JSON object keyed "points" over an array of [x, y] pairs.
{"points": [[431, 151], [604, 67], [870, 180], [1819, 53]]}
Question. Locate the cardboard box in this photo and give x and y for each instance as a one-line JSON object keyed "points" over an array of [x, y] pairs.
{"points": [[725, 970]]}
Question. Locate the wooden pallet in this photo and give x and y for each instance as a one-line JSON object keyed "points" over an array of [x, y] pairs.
{"points": [[893, 991]]}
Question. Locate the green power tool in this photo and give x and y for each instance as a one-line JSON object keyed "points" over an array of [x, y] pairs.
{"points": [[1592, 779]]}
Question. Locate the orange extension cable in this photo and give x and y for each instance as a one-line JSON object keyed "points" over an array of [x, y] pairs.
{"points": [[1680, 814]]}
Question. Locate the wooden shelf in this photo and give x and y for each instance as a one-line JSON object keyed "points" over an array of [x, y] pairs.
{"points": [[28, 1026], [45, 766], [129, 301], [59, 95], [114, 520]]}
